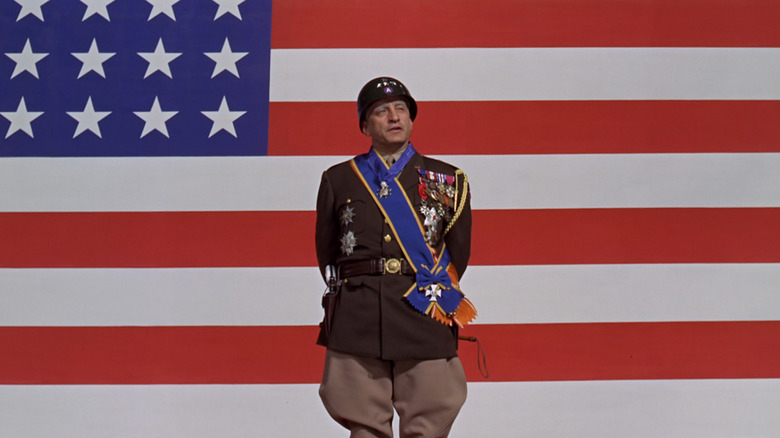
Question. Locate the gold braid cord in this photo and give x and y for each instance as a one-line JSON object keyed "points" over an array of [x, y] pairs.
{"points": [[464, 198]]}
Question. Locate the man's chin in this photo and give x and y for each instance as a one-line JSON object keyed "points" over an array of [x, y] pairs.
{"points": [[391, 146]]}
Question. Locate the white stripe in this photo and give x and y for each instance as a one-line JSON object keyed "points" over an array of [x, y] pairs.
{"points": [[290, 296], [622, 409], [624, 293], [623, 180], [290, 183], [160, 184], [160, 297], [530, 73], [596, 409]]}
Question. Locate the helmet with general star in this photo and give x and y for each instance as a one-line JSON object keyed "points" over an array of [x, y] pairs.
{"points": [[381, 88]]}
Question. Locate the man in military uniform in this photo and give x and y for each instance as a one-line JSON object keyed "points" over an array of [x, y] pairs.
{"points": [[393, 238]]}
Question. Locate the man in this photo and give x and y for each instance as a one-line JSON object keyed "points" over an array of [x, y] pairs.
{"points": [[393, 236]]}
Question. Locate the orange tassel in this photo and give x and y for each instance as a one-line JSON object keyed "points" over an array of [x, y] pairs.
{"points": [[465, 313], [438, 315]]}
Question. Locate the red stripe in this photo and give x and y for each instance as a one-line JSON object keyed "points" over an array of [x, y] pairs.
{"points": [[530, 23], [271, 354], [616, 351], [157, 239], [149, 355], [534, 127], [256, 239]]}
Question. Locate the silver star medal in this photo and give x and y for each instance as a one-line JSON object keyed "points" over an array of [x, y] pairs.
{"points": [[347, 215], [384, 190], [433, 291], [348, 242]]}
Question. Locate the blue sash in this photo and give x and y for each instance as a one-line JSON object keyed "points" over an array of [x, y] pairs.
{"points": [[434, 287]]}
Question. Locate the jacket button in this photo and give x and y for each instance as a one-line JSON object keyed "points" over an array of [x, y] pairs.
{"points": [[388, 238]]}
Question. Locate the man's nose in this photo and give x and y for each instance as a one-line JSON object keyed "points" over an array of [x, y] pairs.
{"points": [[392, 114]]}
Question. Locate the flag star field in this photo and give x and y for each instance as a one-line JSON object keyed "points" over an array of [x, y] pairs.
{"points": [[134, 78]]}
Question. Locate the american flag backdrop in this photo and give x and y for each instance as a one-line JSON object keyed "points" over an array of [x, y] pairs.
{"points": [[159, 161]]}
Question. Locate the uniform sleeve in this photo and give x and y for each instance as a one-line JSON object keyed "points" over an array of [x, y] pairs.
{"points": [[458, 239], [326, 228]]}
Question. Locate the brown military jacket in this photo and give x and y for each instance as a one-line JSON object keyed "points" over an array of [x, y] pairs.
{"points": [[372, 319]]}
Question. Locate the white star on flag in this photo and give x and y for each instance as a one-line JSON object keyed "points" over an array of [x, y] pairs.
{"points": [[31, 7], [26, 60], [155, 119], [20, 119], [223, 118], [99, 7], [162, 7], [225, 59], [158, 60], [230, 6], [93, 60], [88, 119]]}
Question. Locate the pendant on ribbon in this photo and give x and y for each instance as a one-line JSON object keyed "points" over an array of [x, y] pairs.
{"points": [[384, 190]]}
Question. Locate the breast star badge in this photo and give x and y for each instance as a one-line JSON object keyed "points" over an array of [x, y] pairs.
{"points": [[347, 215], [348, 242]]}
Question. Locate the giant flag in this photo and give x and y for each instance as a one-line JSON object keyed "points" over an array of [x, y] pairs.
{"points": [[159, 161]]}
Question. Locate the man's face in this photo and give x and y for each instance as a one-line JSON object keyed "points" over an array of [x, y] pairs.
{"points": [[389, 124]]}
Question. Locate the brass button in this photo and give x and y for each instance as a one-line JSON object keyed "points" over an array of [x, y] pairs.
{"points": [[388, 238]]}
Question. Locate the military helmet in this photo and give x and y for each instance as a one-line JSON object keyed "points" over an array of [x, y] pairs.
{"points": [[380, 88]]}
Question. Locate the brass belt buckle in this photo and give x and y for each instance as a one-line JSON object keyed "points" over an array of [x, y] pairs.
{"points": [[392, 266]]}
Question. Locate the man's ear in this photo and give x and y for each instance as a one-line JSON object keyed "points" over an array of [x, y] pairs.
{"points": [[364, 128]]}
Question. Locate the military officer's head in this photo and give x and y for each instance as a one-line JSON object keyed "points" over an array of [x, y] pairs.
{"points": [[386, 111]]}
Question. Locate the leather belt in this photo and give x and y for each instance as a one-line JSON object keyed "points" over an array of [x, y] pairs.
{"points": [[376, 267]]}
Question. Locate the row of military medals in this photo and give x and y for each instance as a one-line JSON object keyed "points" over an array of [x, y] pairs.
{"points": [[438, 192]]}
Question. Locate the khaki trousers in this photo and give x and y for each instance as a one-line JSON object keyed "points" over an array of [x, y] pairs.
{"points": [[360, 393]]}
